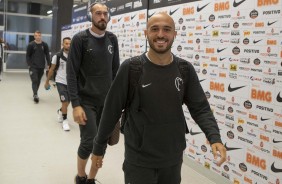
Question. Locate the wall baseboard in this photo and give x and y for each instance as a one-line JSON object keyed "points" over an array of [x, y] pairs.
{"points": [[205, 172]]}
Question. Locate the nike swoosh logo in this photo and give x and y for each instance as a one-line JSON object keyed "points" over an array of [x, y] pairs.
{"points": [[194, 133], [206, 26], [230, 148], [198, 153], [200, 9], [274, 141], [274, 169], [264, 119], [235, 4], [172, 12], [202, 80], [221, 59], [119, 19], [220, 50], [141, 45], [132, 17], [270, 23], [146, 85], [230, 89], [278, 98], [256, 41], [149, 16]]}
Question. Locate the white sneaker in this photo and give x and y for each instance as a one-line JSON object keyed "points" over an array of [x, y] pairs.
{"points": [[60, 116], [66, 126]]}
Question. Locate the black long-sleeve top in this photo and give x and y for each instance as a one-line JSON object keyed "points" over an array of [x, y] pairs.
{"points": [[37, 54], [155, 131], [92, 65]]}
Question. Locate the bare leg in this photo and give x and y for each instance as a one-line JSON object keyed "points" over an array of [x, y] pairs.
{"points": [[93, 172], [81, 165], [64, 108]]}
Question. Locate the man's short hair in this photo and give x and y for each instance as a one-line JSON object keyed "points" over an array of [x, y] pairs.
{"points": [[66, 38]]}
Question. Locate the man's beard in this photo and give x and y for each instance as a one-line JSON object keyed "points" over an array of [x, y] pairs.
{"points": [[160, 51], [102, 25]]}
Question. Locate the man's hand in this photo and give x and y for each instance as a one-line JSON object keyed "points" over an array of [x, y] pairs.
{"points": [[222, 151], [79, 115], [97, 162], [47, 85]]}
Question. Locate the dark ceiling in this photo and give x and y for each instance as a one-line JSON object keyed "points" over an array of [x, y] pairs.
{"points": [[49, 2]]}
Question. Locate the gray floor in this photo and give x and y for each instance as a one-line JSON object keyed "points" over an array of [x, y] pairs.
{"points": [[34, 148]]}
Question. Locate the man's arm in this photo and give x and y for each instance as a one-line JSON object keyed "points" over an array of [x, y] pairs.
{"points": [[51, 72], [113, 106], [47, 54], [29, 51], [73, 66], [199, 107], [116, 61], [200, 110]]}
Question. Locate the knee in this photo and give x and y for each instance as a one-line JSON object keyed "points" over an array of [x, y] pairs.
{"points": [[85, 148]]}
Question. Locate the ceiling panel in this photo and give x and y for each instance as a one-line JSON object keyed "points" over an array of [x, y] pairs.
{"points": [[49, 2]]}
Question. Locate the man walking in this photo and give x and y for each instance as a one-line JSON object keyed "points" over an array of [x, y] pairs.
{"points": [[92, 65], [154, 130], [59, 67], [37, 54]]}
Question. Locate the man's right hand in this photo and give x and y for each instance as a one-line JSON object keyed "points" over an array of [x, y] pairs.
{"points": [[79, 115], [47, 86]]}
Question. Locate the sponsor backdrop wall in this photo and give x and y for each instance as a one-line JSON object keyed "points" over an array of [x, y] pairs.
{"points": [[236, 49]]}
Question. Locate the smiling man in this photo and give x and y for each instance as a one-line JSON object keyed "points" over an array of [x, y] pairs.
{"points": [[155, 127]]}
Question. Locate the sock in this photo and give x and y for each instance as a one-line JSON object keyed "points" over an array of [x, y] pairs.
{"points": [[90, 181], [82, 178], [65, 116]]}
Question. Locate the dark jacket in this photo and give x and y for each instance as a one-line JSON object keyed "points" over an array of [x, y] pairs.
{"points": [[155, 131], [91, 67], [37, 55]]}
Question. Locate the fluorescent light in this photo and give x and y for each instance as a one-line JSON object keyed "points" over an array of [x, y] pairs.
{"points": [[49, 12]]}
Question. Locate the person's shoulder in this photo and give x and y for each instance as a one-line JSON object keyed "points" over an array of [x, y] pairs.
{"points": [[80, 34], [183, 61], [79, 37], [44, 44], [111, 34], [135, 60], [32, 43]]}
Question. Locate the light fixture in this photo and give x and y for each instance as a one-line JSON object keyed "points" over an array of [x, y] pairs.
{"points": [[49, 12]]}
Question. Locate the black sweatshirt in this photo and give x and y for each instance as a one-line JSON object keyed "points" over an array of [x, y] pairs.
{"points": [[37, 55], [155, 131], [92, 65]]}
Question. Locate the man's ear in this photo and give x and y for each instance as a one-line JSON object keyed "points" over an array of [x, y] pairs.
{"points": [[145, 33]]}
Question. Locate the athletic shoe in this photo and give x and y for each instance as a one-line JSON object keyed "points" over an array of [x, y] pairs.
{"points": [[90, 181], [35, 98], [65, 125], [80, 180], [60, 116]]}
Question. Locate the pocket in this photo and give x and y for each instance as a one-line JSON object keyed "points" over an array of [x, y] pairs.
{"points": [[166, 140]]}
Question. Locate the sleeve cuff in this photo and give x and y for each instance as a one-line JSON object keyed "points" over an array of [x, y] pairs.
{"points": [[75, 103], [98, 149], [215, 139]]}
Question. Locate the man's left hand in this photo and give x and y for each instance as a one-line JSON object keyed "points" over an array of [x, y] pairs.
{"points": [[97, 161], [222, 151]]}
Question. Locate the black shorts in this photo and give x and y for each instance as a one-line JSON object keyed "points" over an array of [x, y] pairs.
{"points": [[140, 175], [63, 92]]}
